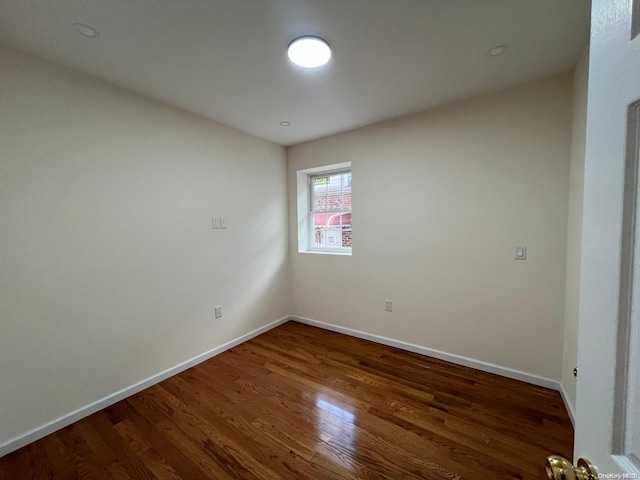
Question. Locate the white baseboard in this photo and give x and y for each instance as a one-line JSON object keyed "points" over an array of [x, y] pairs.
{"points": [[567, 403], [449, 357], [44, 430]]}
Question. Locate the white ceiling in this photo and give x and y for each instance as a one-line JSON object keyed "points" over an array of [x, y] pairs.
{"points": [[226, 59]]}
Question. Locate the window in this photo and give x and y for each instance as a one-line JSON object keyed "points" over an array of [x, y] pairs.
{"points": [[330, 210], [324, 209]]}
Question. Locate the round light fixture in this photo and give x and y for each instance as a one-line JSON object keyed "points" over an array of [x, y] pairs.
{"points": [[497, 50], [285, 123], [86, 30], [309, 51]]}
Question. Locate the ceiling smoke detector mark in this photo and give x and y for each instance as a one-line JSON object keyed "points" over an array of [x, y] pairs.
{"points": [[497, 50], [285, 123], [86, 30]]}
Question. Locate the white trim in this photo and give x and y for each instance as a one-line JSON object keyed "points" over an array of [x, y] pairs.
{"points": [[306, 233], [449, 357], [320, 252], [567, 403], [326, 168], [44, 430], [330, 251], [627, 463]]}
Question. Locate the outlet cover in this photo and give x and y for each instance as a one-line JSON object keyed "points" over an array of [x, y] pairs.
{"points": [[521, 252], [218, 311], [388, 306]]}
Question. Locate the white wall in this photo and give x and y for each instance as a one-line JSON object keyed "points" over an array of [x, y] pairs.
{"points": [[109, 267], [440, 200], [574, 229]]}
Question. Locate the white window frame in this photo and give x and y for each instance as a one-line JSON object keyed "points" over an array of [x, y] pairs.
{"points": [[306, 233]]}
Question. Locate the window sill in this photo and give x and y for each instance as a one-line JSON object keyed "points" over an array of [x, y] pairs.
{"points": [[313, 252]]}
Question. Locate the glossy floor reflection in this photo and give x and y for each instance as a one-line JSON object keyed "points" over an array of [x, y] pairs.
{"points": [[336, 425], [303, 403]]}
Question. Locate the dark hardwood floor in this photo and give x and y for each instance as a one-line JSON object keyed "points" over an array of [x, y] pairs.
{"points": [[302, 403]]}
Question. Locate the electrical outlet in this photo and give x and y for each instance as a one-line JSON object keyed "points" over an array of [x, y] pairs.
{"points": [[388, 306], [218, 311]]}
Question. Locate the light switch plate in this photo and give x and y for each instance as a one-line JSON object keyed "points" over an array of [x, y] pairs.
{"points": [[521, 252], [215, 223], [223, 222], [388, 305]]}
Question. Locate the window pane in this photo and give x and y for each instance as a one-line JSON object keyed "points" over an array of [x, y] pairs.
{"points": [[331, 210]]}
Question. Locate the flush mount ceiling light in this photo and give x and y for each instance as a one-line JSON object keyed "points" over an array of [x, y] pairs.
{"points": [[285, 123], [86, 30], [497, 50], [309, 51]]}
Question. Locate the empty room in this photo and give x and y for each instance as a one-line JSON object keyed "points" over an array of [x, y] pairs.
{"points": [[319, 239]]}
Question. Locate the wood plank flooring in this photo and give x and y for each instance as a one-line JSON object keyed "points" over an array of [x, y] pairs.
{"points": [[302, 403]]}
